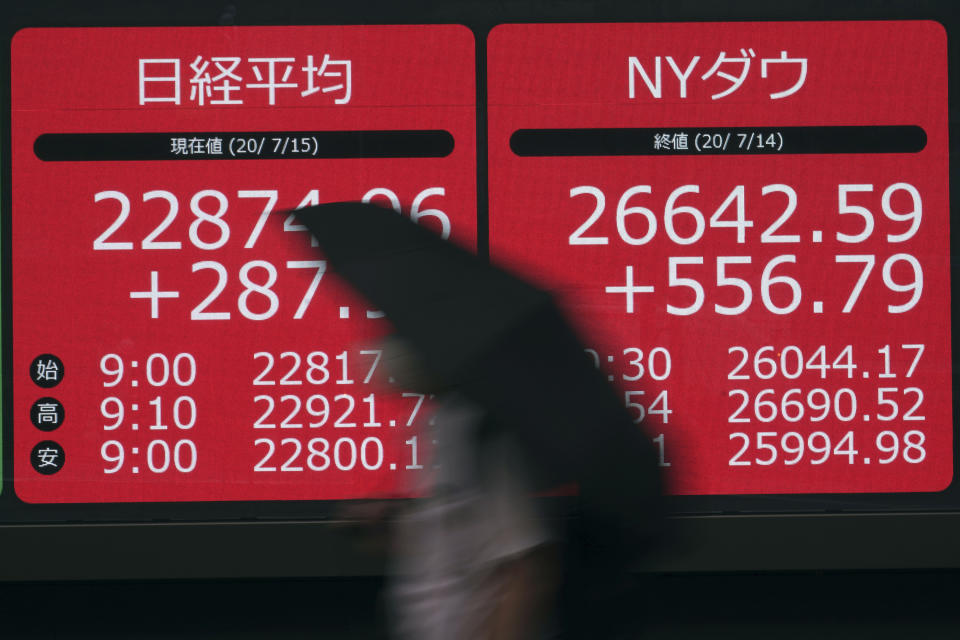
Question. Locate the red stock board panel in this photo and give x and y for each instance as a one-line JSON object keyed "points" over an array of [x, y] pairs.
{"points": [[177, 337], [749, 223]]}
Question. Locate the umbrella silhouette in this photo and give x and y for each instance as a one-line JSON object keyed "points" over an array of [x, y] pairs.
{"points": [[503, 343]]}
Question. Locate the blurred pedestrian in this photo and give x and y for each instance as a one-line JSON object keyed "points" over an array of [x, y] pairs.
{"points": [[520, 411]]}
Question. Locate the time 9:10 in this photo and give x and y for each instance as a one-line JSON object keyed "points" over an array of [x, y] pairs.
{"points": [[183, 413]]}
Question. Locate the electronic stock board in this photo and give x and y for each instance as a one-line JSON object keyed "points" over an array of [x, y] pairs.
{"points": [[748, 222]]}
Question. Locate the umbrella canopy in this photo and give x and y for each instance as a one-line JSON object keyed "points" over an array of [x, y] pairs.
{"points": [[443, 300], [502, 342]]}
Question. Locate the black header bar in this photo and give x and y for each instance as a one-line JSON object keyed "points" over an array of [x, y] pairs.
{"points": [[669, 141], [249, 145]]}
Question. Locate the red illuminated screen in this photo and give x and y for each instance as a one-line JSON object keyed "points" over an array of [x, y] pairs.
{"points": [[752, 235], [177, 337]]}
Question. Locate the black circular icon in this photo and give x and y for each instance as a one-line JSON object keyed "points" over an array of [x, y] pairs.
{"points": [[46, 370], [47, 414], [47, 457]]}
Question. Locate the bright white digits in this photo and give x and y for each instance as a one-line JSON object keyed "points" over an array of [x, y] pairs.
{"points": [[768, 235], [690, 283], [251, 287], [909, 448], [271, 201], [768, 280], [623, 211], [914, 215], [915, 285], [101, 244], [740, 223], [416, 213], [106, 369], [116, 457], [863, 212], [245, 301], [671, 210], [173, 206], [206, 217], [735, 201], [723, 280], [115, 414]]}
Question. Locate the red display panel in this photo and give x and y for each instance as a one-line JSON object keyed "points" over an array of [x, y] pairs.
{"points": [[176, 336], [749, 222]]}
